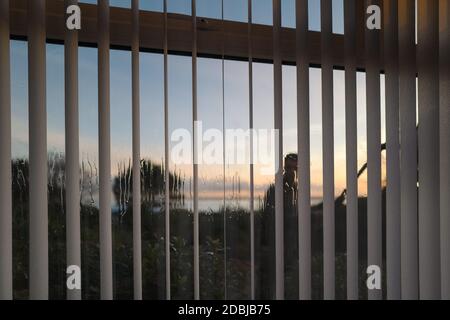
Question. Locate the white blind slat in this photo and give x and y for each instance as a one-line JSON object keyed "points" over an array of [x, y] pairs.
{"points": [[428, 95], [73, 235], [166, 154], [392, 150], [38, 150], [278, 112], [104, 116], [351, 148], [373, 102], [196, 150], [252, 177], [444, 125], [328, 151], [137, 233], [408, 154]]}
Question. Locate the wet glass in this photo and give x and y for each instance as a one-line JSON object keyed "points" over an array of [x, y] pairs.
{"points": [[89, 181], [20, 166], [180, 181], [152, 176], [264, 201], [121, 173], [211, 179], [237, 180], [56, 171], [290, 179]]}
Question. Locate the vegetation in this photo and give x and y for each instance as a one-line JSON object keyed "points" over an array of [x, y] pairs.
{"points": [[220, 266]]}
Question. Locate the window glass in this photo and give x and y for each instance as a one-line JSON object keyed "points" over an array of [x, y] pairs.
{"points": [[152, 176], [180, 181], [20, 166], [56, 171]]}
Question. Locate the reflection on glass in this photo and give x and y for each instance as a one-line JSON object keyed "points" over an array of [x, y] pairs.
{"points": [[340, 183], [121, 154], [362, 182], [181, 204], [89, 184], [315, 79], [383, 176], [290, 148], [263, 110], [56, 174], [211, 180], [152, 176], [20, 201], [237, 178]]}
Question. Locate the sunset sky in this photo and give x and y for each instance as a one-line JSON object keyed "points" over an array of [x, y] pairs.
{"points": [[210, 104]]}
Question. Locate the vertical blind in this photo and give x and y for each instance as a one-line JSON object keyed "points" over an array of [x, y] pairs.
{"points": [[351, 149], [408, 154], [411, 246], [73, 234]]}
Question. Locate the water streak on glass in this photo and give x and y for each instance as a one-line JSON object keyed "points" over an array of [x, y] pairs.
{"points": [[237, 181], [180, 181], [121, 153], [263, 110], [152, 175], [211, 180], [290, 178], [56, 174], [19, 166], [89, 181]]}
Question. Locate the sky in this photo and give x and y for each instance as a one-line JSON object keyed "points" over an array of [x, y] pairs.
{"points": [[210, 103]]}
